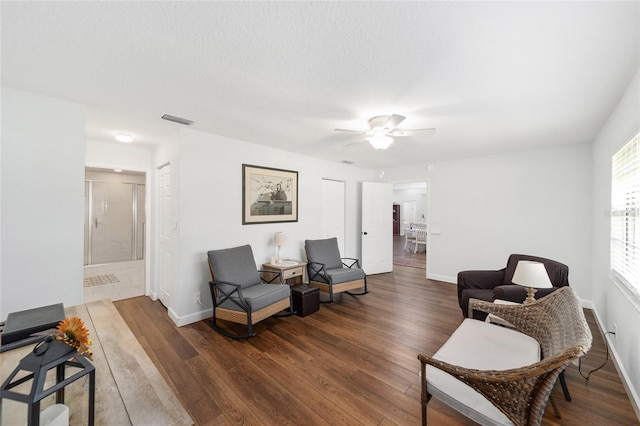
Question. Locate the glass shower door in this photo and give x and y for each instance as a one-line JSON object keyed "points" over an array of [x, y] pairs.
{"points": [[111, 222]]}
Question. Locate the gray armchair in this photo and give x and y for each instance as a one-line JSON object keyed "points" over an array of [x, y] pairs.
{"points": [[331, 273], [239, 294]]}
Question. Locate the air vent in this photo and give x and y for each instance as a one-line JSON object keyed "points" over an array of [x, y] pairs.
{"points": [[347, 162], [177, 119]]}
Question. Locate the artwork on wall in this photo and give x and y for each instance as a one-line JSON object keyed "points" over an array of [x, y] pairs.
{"points": [[269, 195]]}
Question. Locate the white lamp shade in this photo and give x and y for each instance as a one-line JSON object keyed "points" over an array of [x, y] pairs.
{"points": [[531, 274], [380, 142], [279, 239]]}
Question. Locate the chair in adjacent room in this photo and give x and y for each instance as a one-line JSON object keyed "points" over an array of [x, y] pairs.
{"points": [[238, 292], [501, 376], [421, 239], [331, 273]]}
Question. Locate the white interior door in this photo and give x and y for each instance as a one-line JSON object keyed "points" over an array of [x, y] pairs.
{"points": [[377, 227], [164, 234], [333, 211]]}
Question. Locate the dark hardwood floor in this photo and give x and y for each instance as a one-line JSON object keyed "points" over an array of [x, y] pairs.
{"points": [[352, 362]]}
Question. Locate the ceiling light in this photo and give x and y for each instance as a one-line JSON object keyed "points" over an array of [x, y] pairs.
{"points": [[123, 137], [380, 142]]}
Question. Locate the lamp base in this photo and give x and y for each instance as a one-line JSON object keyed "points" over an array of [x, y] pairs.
{"points": [[530, 295]]}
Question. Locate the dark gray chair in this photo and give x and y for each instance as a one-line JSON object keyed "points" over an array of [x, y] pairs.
{"points": [[331, 273], [238, 292], [489, 285]]}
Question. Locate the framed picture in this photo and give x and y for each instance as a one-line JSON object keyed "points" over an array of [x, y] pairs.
{"points": [[269, 195]]}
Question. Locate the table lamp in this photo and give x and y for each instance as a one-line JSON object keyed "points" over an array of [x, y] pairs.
{"points": [[531, 275], [279, 239]]}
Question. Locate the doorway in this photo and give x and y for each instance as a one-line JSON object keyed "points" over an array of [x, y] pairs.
{"points": [[413, 199], [114, 239]]}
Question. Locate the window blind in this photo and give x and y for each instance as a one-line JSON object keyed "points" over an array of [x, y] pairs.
{"points": [[625, 211]]}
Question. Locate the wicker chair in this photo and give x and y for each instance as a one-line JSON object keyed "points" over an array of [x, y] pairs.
{"points": [[238, 292], [520, 393], [331, 273]]}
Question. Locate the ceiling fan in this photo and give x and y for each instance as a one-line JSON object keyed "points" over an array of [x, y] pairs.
{"points": [[382, 129]]}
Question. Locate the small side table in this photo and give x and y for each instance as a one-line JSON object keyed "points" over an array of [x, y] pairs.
{"points": [[291, 271]]}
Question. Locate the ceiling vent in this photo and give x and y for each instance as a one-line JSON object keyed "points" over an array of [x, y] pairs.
{"points": [[177, 119], [347, 162]]}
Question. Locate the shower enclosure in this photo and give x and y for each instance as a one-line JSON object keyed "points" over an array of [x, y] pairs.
{"points": [[114, 216]]}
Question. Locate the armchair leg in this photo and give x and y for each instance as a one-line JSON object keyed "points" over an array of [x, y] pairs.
{"points": [[230, 335], [565, 389], [365, 291]]}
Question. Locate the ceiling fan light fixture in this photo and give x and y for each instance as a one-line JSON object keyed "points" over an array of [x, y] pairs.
{"points": [[380, 142]]}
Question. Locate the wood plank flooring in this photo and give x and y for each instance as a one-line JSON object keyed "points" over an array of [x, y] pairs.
{"points": [[352, 362]]}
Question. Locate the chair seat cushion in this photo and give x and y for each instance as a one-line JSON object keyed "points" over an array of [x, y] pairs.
{"points": [[259, 296], [343, 275], [483, 346]]}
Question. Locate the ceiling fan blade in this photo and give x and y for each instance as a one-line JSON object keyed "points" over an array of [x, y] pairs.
{"points": [[393, 121], [360, 132], [409, 132]]}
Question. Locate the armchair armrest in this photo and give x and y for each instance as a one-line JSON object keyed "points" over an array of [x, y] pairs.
{"points": [[480, 279], [353, 262], [316, 270], [511, 292], [216, 289]]}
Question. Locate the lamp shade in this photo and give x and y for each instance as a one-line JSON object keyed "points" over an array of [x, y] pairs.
{"points": [[279, 239], [531, 274], [380, 142]]}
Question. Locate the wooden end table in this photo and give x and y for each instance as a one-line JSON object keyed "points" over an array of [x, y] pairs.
{"points": [[291, 272]]}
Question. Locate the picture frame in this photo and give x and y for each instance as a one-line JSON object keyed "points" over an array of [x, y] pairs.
{"points": [[269, 195]]}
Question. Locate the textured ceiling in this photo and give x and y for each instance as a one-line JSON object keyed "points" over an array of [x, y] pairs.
{"points": [[490, 76]]}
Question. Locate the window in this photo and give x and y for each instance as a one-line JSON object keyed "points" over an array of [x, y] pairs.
{"points": [[625, 209]]}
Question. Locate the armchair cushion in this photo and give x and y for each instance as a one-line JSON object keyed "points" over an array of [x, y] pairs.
{"points": [[235, 265], [259, 296], [343, 275], [481, 346], [517, 293], [324, 251]]}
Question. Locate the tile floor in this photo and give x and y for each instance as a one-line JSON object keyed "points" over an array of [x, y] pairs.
{"points": [[115, 281]]}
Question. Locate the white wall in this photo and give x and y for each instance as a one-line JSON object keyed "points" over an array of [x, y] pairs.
{"points": [[613, 304], [42, 169], [111, 155], [208, 185], [485, 208]]}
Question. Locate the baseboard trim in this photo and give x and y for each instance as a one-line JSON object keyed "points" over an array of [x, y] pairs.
{"points": [[633, 396], [445, 278], [189, 319]]}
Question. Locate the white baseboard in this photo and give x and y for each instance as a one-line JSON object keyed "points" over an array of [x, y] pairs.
{"points": [[633, 396], [189, 319], [445, 278]]}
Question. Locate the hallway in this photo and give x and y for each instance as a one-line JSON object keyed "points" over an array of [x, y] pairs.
{"points": [[115, 281], [407, 257]]}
